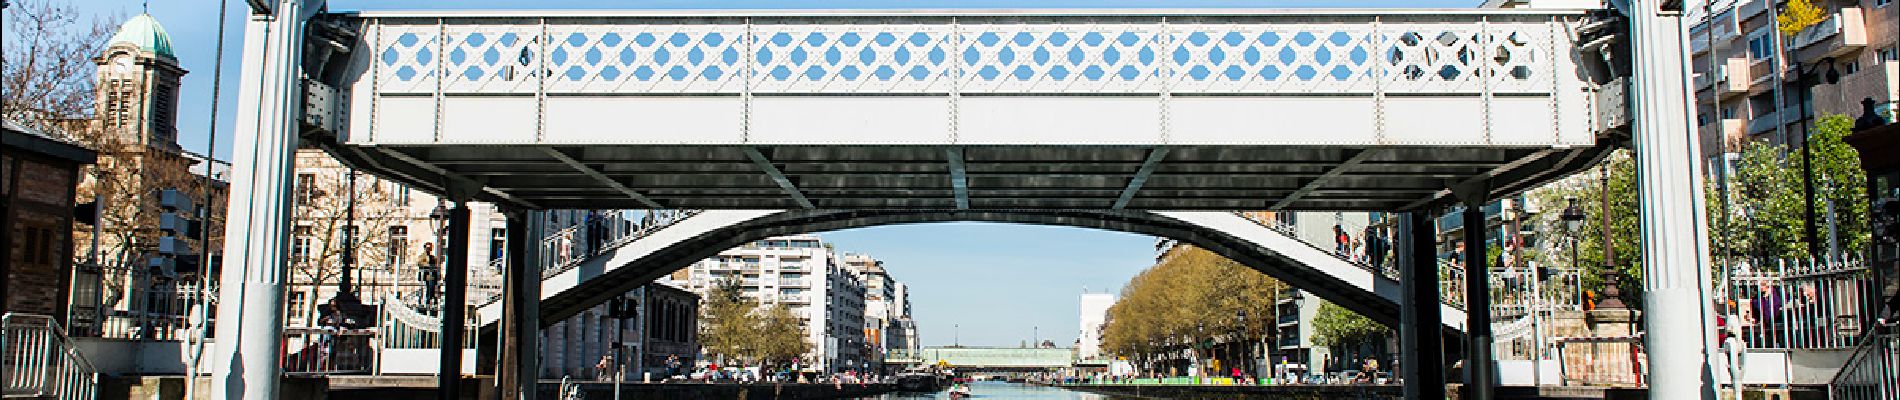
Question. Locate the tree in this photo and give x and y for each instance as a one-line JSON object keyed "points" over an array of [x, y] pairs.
{"points": [[338, 215], [1765, 217], [1335, 326], [1797, 16], [1192, 296], [782, 334], [48, 74], [741, 330], [1589, 190]]}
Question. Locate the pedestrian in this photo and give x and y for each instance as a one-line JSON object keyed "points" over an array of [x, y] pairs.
{"points": [[604, 369], [1340, 240]]}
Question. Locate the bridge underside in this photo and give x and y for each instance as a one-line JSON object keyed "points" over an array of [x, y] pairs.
{"points": [[971, 177]]}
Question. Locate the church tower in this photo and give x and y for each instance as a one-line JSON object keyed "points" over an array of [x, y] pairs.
{"points": [[138, 85]]}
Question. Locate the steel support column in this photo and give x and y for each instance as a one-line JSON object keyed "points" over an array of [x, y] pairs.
{"points": [[251, 318], [454, 304], [1421, 332], [1675, 236], [521, 307], [1480, 375]]}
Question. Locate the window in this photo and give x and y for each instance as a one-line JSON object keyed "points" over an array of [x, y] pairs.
{"points": [[1882, 3], [300, 243], [1889, 53], [306, 188], [398, 245], [497, 243], [1850, 67], [1728, 112], [1761, 47]]}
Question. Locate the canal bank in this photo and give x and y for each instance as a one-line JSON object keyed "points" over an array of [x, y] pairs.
{"points": [[759, 391], [1291, 392]]}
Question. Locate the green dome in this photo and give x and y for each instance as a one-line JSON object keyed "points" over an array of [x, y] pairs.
{"points": [[143, 31]]}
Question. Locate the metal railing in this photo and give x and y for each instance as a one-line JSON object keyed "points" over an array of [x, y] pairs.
{"points": [[39, 361], [117, 302], [1801, 305], [325, 350], [566, 248], [1451, 290], [1602, 361], [1872, 372]]}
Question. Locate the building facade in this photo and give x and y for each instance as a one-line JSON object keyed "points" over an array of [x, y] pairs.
{"points": [[665, 325], [38, 176], [805, 274], [1755, 83], [1094, 314], [133, 281]]}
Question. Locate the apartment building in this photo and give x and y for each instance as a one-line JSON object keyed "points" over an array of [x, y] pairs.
{"points": [[805, 274], [886, 306], [1754, 83]]}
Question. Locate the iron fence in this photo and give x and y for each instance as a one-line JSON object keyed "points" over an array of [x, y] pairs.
{"points": [[1872, 372], [325, 350], [1801, 305], [564, 249], [1602, 361], [117, 302], [41, 362]]}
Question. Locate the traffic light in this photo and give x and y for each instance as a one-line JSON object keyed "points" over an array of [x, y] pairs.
{"points": [[623, 308], [177, 224]]}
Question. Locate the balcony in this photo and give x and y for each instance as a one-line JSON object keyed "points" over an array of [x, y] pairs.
{"points": [[1730, 129], [1764, 123], [1843, 32], [1726, 84]]}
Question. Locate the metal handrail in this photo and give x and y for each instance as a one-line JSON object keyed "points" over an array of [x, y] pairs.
{"points": [[1389, 273], [570, 237], [41, 361], [1872, 372]]}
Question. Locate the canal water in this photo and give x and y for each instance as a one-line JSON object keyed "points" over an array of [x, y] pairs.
{"points": [[1003, 390]]}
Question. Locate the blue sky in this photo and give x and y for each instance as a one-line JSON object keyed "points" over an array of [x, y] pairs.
{"points": [[998, 282]]}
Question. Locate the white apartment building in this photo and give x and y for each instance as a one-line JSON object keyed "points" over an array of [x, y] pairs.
{"points": [[886, 306], [805, 274], [1094, 312]]}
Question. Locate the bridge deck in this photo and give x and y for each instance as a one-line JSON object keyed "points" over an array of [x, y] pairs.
{"points": [[1199, 109]]}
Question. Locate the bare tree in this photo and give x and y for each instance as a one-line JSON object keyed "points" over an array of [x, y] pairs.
{"points": [[48, 73], [332, 223]]}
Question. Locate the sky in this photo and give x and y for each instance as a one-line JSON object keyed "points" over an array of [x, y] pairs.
{"points": [[982, 284]]}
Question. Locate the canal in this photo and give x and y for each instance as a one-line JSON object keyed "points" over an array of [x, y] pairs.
{"points": [[1003, 390]]}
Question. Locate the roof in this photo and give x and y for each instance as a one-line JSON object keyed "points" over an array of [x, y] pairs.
{"points": [[20, 136], [144, 32]]}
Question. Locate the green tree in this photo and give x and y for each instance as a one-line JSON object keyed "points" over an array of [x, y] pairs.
{"points": [[1589, 189], [727, 327], [782, 335], [744, 332], [1798, 15], [1335, 326], [1191, 296]]}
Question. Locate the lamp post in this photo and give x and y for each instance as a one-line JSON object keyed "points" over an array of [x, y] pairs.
{"points": [[346, 310], [1807, 82], [1573, 222], [1572, 216], [432, 263]]}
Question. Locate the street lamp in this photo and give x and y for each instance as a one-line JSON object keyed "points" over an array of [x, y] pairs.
{"points": [[431, 266], [1806, 80], [1573, 222], [345, 309]]}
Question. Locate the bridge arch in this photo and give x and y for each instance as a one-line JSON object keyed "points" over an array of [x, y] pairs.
{"points": [[1262, 248]]}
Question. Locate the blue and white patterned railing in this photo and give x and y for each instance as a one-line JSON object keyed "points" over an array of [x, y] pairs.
{"points": [[1499, 53]]}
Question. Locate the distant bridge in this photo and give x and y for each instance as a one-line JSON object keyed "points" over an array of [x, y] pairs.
{"points": [[985, 358]]}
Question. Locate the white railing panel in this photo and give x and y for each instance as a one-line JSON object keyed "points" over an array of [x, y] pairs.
{"points": [[888, 56], [650, 56]]}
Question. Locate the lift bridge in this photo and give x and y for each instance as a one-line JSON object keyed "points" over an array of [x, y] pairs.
{"points": [[774, 122]]}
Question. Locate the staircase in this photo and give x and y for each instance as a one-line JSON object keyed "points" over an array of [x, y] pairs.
{"points": [[1872, 372], [40, 362]]}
